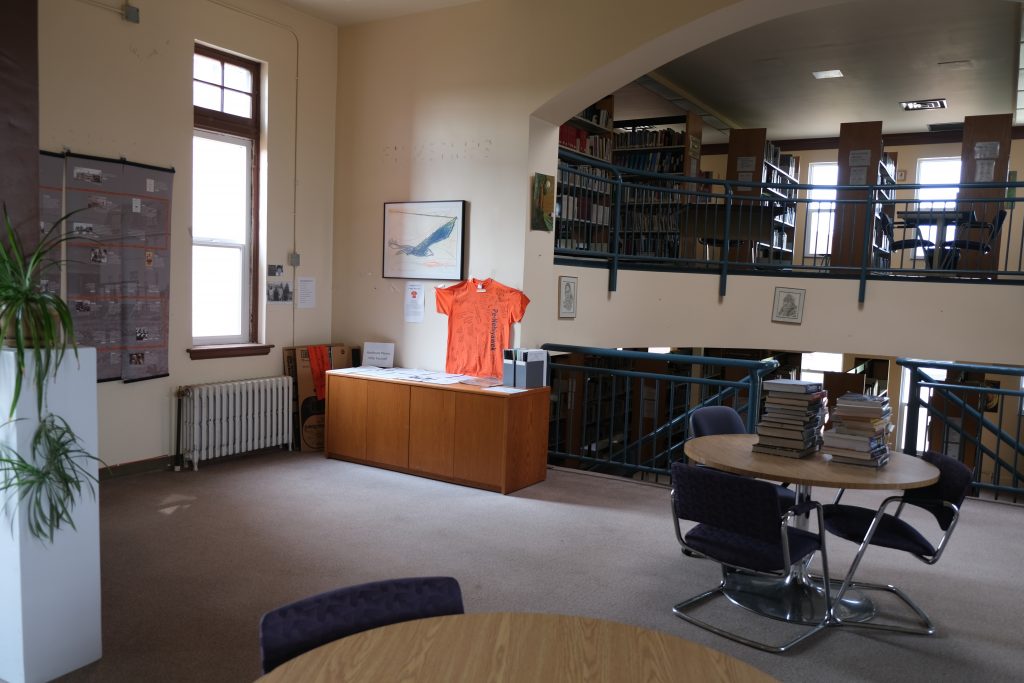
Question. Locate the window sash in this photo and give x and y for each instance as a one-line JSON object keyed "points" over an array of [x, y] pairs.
{"points": [[245, 248]]}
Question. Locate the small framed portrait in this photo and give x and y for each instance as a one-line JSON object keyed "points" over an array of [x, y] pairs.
{"points": [[788, 305], [566, 297]]}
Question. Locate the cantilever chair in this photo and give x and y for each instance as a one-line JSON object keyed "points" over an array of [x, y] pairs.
{"points": [[869, 527], [990, 236], [725, 420], [741, 525], [298, 627]]}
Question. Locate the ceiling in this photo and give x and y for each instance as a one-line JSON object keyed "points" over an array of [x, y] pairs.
{"points": [[345, 12], [888, 50]]}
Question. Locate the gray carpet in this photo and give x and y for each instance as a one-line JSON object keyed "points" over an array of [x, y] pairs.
{"points": [[191, 560]]}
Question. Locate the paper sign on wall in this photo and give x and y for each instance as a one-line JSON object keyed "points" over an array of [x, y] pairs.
{"points": [[414, 302]]}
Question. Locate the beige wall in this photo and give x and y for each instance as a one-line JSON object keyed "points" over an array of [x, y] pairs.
{"points": [[461, 103], [111, 88]]}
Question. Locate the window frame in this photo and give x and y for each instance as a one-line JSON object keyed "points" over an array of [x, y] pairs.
{"points": [[930, 232], [818, 208], [209, 121]]}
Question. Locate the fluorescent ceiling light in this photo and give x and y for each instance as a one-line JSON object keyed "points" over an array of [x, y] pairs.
{"points": [[920, 105], [828, 73]]}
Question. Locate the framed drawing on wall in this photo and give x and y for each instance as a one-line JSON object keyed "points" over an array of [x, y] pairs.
{"points": [[566, 297], [788, 306], [424, 240]]}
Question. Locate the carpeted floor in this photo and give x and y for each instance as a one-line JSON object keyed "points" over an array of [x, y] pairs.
{"points": [[191, 560]]}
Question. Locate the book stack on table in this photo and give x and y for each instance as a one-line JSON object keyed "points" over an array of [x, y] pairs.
{"points": [[794, 412], [860, 428]]}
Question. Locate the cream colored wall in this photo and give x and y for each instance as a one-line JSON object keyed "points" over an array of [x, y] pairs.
{"points": [[463, 103], [111, 88]]}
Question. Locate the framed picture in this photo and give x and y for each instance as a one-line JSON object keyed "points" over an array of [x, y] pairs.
{"points": [[542, 203], [424, 240], [788, 306], [566, 296]]}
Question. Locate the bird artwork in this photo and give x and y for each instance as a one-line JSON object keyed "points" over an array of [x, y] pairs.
{"points": [[423, 239], [423, 248]]}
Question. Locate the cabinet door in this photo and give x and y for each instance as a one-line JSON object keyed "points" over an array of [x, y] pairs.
{"points": [[387, 424], [432, 431], [346, 417], [479, 439]]}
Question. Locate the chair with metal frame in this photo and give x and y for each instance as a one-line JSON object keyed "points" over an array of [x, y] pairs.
{"points": [[298, 627], [740, 525], [711, 420], [869, 527], [983, 245]]}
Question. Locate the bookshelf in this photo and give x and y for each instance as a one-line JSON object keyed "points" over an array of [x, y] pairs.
{"points": [[652, 216], [984, 157], [590, 132], [753, 159], [584, 198], [861, 162]]}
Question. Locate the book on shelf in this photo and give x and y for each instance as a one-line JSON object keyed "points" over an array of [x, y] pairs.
{"points": [[795, 398], [796, 386], [787, 442], [862, 428], [856, 443], [786, 432], [862, 462], [854, 398], [855, 454], [784, 452]]}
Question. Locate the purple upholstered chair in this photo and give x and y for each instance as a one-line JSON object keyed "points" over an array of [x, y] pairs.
{"points": [[725, 420], [288, 631], [876, 527], [741, 525]]}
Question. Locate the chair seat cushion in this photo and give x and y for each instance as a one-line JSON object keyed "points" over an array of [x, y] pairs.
{"points": [[738, 550], [851, 522]]}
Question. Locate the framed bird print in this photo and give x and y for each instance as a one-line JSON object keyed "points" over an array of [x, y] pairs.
{"points": [[424, 240]]}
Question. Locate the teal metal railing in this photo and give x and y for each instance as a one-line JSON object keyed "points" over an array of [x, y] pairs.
{"points": [[615, 217], [955, 408], [627, 412]]}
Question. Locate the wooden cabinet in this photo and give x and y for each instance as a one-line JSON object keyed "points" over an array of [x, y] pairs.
{"points": [[456, 433]]}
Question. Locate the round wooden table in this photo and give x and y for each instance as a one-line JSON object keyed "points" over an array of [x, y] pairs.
{"points": [[731, 452], [798, 598], [513, 646]]}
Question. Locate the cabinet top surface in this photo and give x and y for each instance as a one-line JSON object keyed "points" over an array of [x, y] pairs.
{"points": [[496, 392]]}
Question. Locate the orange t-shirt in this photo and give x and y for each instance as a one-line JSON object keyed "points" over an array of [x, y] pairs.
{"points": [[480, 313]]}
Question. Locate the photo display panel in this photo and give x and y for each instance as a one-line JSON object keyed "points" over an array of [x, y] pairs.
{"points": [[118, 264]]}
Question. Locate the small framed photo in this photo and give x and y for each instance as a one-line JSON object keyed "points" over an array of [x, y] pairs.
{"points": [[566, 297], [424, 240], [788, 306]]}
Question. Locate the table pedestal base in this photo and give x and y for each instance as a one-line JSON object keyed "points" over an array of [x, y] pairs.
{"points": [[794, 599]]}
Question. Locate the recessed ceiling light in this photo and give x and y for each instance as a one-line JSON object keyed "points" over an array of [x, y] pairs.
{"points": [[920, 105], [828, 73]]}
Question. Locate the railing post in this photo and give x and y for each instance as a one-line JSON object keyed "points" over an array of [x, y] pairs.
{"points": [[913, 412], [869, 229], [613, 271], [724, 255], [754, 402]]}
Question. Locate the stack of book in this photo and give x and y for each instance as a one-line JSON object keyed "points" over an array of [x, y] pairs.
{"points": [[860, 428], [794, 411]]}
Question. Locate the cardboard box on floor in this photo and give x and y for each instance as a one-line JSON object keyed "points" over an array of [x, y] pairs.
{"points": [[307, 409]]}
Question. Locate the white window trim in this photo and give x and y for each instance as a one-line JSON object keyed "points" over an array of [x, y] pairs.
{"points": [[245, 248]]}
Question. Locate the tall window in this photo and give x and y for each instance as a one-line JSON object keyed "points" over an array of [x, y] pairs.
{"points": [[938, 171], [225, 144], [821, 209]]}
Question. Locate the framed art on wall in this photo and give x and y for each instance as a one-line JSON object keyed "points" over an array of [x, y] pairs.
{"points": [[424, 240], [566, 296], [788, 306]]}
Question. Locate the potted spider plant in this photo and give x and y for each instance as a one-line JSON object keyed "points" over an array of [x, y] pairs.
{"points": [[51, 622], [36, 325]]}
